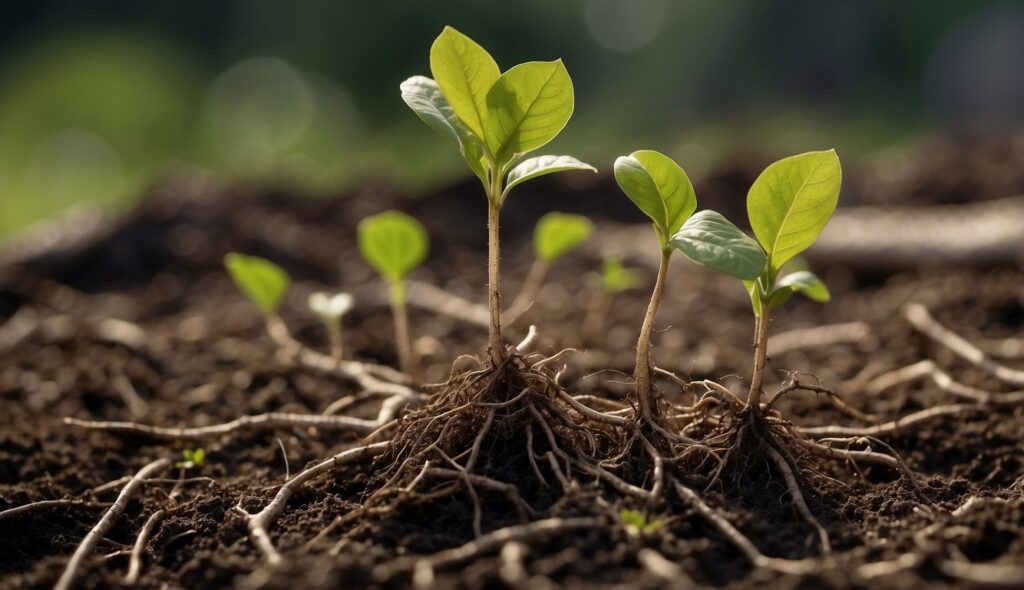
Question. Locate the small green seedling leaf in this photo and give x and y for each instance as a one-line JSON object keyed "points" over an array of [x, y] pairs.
{"points": [[659, 188], [637, 522], [260, 279], [541, 165], [526, 108], [791, 202], [708, 238], [331, 308], [393, 243], [616, 278], [425, 98], [557, 233], [465, 73], [192, 459], [804, 282]]}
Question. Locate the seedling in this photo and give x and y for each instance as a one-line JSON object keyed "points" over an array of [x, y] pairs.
{"points": [[191, 459], [261, 280], [330, 309], [636, 522], [494, 119], [395, 244], [556, 235], [614, 278]]}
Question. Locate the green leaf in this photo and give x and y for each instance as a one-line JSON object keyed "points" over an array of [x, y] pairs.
{"points": [[393, 243], [198, 456], [804, 282], [527, 107], [557, 233], [755, 295], [791, 202], [465, 73], [424, 97], [659, 188], [616, 278], [708, 238], [264, 282], [541, 165]]}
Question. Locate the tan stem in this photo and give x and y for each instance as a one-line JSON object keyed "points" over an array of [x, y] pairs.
{"points": [[334, 333], [497, 348], [528, 294], [643, 373], [403, 337], [760, 357]]}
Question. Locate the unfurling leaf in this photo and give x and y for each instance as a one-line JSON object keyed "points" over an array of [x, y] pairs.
{"points": [[659, 188], [541, 165], [557, 233], [264, 282], [708, 238], [425, 98], [804, 282], [526, 108], [393, 243], [791, 202]]}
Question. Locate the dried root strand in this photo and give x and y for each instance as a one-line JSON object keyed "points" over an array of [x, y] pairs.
{"points": [[135, 565], [107, 522], [258, 422], [895, 426], [43, 504], [927, 369]]}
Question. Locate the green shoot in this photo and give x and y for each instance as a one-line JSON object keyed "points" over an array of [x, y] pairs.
{"points": [[192, 459], [555, 235], [614, 278], [663, 192], [261, 280], [494, 119], [330, 309], [395, 244], [636, 522]]}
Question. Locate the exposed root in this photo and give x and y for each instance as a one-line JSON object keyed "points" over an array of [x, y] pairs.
{"points": [[797, 495], [927, 369], [820, 336], [894, 426], [922, 320], [260, 522], [986, 575], [107, 522], [135, 565], [43, 504]]}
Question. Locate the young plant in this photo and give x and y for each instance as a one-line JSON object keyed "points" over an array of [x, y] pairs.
{"points": [[191, 459], [789, 205], [554, 236], [494, 119], [264, 282], [613, 279], [330, 309], [395, 244], [637, 523]]}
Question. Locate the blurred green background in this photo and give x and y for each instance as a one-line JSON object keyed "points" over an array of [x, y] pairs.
{"points": [[98, 99]]}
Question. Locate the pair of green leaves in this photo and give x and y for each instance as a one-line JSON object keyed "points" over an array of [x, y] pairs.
{"points": [[789, 205], [494, 117], [191, 459], [394, 244]]}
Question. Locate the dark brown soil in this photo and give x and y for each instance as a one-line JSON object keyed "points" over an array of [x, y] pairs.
{"points": [[205, 359]]}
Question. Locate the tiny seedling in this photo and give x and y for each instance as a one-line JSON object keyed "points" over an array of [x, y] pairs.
{"points": [[637, 523], [613, 278], [555, 235], [191, 459], [616, 277], [330, 309], [395, 244], [494, 119], [264, 282]]}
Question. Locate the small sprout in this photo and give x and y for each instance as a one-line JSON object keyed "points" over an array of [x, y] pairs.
{"points": [[395, 244], [264, 282], [494, 119], [554, 236], [193, 459], [636, 522], [330, 309], [616, 277]]}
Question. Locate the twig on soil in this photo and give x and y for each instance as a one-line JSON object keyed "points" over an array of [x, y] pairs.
{"points": [[819, 336], [986, 575], [927, 369], [108, 521], [260, 522], [895, 426], [258, 422], [922, 320], [135, 566], [441, 302]]}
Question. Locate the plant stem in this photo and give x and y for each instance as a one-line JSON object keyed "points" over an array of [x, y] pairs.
{"points": [[760, 356], [334, 333], [528, 294], [403, 339], [496, 345], [643, 372]]}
